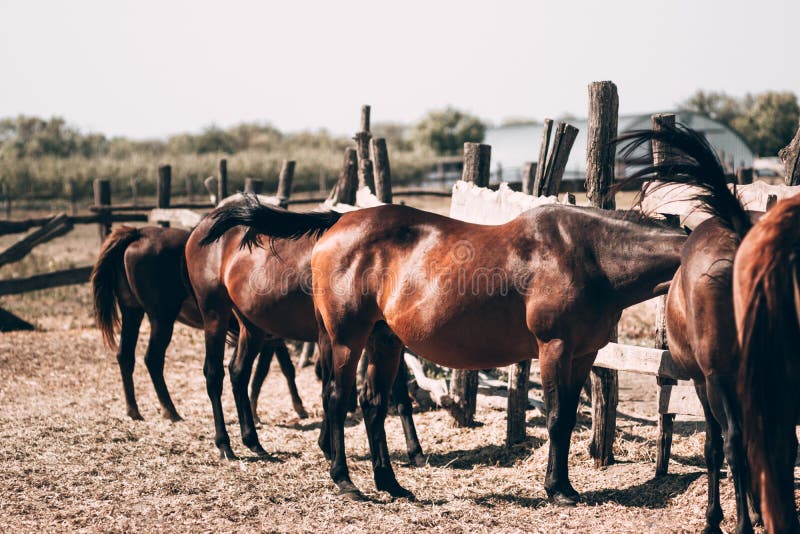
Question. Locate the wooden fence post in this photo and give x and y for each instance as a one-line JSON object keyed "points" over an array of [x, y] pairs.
{"points": [[529, 177], [383, 172], [345, 192], [102, 197], [541, 165], [222, 181], [600, 155], [366, 176], [134, 182], [6, 191], [661, 155], [72, 191], [790, 156], [285, 182], [189, 183], [563, 139], [464, 383], [164, 189], [253, 186], [744, 175]]}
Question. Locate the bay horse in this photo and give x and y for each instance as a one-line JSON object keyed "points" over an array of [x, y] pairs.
{"points": [[549, 284], [701, 332], [766, 298], [266, 292], [141, 272]]}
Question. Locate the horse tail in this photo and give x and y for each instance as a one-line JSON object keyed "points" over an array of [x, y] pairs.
{"points": [[260, 219], [104, 280], [767, 297], [694, 163]]}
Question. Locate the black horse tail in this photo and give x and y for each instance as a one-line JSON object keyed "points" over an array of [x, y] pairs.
{"points": [[692, 162], [259, 219], [767, 296], [104, 280]]}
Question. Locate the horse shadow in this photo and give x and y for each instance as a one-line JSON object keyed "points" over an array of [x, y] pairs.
{"points": [[654, 493], [491, 455]]}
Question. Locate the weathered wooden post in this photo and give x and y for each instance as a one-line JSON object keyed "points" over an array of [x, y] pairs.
{"points": [[134, 182], [222, 181], [253, 186], [744, 175], [383, 172], [365, 169], [662, 154], [102, 197], [164, 189], [600, 155], [285, 182], [528, 177], [348, 179], [563, 139], [541, 165], [6, 191], [189, 184], [790, 156], [464, 384], [72, 192]]}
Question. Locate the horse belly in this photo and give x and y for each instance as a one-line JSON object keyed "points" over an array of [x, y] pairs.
{"points": [[472, 341]]}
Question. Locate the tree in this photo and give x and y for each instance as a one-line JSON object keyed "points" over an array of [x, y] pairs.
{"points": [[445, 131], [766, 121]]}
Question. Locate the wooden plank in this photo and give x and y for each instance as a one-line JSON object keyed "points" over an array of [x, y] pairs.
{"points": [[55, 227], [102, 198], [518, 377], [563, 140], [285, 180], [383, 171], [477, 164], [222, 181], [78, 275], [164, 190], [345, 190], [366, 176], [636, 359], [528, 177]]}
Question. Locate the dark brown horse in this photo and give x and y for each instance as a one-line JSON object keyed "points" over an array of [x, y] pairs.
{"points": [[266, 291], [700, 321], [549, 284], [766, 297], [142, 271]]}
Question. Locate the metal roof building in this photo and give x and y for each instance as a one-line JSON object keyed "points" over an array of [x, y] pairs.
{"points": [[514, 145]]}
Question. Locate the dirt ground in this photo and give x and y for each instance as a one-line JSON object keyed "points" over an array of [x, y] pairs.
{"points": [[72, 460]]}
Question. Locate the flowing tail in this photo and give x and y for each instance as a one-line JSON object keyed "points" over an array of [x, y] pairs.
{"points": [[104, 280], [767, 301], [259, 219], [694, 163]]}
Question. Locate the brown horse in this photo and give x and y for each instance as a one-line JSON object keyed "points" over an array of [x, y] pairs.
{"points": [[700, 323], [549, 284], [142, 271], [766, 297], [266, 291]]}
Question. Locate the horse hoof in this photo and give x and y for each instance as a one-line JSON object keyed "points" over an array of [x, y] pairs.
{"points": [[712, 530], [301, 412], [226, 453], [399, 492], [173, 416], [564, 499], [259, 450], [418, 460], [351, 493], [135, 415]]}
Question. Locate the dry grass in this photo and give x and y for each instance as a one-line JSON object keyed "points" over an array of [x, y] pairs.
{"points": [[71, 460]]}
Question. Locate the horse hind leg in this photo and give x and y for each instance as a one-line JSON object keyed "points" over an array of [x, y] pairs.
{"points": [[721, 393], [241, 366], [259, 375], [216, 328], [405, 410], [126, 356], [160, 336], [287, 368], [383, 358], [714, 457]]}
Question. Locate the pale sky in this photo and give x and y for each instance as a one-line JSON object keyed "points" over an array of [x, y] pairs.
{"points": [[151, 68]]}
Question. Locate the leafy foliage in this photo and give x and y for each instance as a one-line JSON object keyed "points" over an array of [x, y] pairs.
{"points": [[766, 121], [445, 131]]}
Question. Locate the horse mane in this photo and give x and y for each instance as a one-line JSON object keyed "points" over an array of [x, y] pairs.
{"points": [[694, 163], [769, 334]]}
